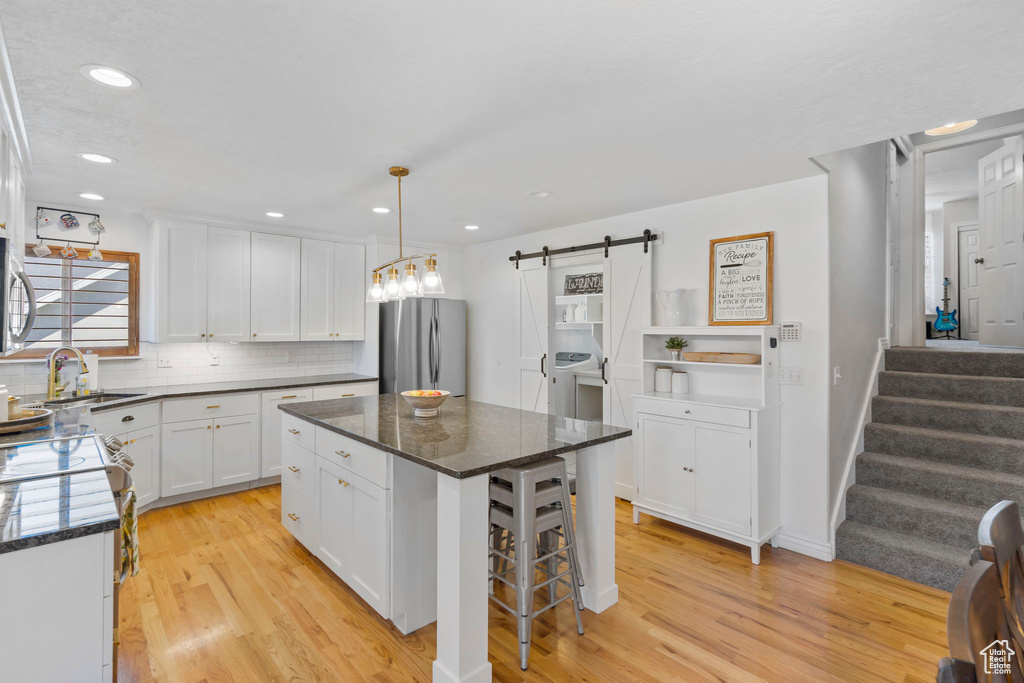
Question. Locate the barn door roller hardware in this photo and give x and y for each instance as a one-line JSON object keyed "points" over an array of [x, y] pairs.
{"points": [[606, 244]]}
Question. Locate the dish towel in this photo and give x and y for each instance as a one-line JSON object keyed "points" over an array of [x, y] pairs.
{"points": [[129, 534]]}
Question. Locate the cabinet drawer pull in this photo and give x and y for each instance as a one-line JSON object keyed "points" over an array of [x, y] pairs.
{"points": [[293, 468], [211, 407], [291, 396], [294, 517], [687, 412], [347, 395], [343, 454], [127, 418], [294, 431], [343, 482]]}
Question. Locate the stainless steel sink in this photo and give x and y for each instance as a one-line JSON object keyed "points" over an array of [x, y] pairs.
{"points": [[91, 399]]}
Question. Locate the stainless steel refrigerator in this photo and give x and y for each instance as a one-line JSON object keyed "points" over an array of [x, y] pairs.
{"points": [[423, 345]]}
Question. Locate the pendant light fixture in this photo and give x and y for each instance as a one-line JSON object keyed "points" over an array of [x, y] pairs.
{"points": [[394, 288]]}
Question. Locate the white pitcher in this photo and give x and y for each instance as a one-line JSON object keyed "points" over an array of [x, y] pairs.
{"points": [[672, 306]]}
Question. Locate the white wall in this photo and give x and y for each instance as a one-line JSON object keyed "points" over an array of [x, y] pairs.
{"points": [[798, 213], [858, 194]]}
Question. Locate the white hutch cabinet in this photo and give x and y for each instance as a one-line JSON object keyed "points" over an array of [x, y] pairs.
{"points": [[709, 459]]}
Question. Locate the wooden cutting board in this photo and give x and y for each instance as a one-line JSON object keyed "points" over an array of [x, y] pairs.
{"points": [[714, 357]]}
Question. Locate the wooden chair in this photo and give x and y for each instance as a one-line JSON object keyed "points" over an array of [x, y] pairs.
{"points": [[976, 628], [1000, 541]]}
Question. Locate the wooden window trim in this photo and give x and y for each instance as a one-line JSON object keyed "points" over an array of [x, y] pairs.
{"points": [[132, 348]]}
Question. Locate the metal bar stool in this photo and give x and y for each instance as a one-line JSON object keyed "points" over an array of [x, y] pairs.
{"points": [[527, 502]]}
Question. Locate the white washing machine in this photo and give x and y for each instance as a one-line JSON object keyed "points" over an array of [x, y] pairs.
{"points": [[567, 363]]}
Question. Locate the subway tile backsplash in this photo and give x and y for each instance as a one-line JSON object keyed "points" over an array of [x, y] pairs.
{"points": [[190, 364]]}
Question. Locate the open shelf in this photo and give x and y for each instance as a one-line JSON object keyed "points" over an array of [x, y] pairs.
{"points": [[694, 362], [710, 331], [578, 299]]}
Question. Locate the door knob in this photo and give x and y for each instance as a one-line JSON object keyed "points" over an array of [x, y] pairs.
{"points": [[979, 260]]}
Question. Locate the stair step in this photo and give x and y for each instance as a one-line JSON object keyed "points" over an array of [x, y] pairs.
{"points": [[955, 448], [939, 520], [955, 362], [1003, 391], [953, 483], [1004, 421], [917, 559]]}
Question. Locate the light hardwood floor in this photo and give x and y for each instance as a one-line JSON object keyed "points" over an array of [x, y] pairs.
{"points": [[226, 594]]}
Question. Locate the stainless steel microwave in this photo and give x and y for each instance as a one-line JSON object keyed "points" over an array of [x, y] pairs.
{"points": [[18, 303]]}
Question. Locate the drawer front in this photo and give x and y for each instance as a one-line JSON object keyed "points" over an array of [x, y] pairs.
{"points": [[298, 517], [733, 417], [367, 462], [212, 406], [298, 469], [298, 431], [344, 391], [143, 416]]}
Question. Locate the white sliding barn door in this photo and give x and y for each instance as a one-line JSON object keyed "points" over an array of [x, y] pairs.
{"points": [[532, 305], [627, 300], [1001, 221]]}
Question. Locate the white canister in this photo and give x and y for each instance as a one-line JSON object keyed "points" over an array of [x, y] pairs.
{"points": [[4, 409], [663, 380], [581, 313], [680, 382]]}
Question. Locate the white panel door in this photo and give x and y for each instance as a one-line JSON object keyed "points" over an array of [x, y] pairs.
{"points": [[334, 502], [532, 318], [143, 445], [227, 314], [1001, 223], [236, 449], [276, 284], [627, 301], [969, 303], [722, 477], [186, 457], [182, 286], [368, 564], [270, 424], [350, 283], [666, 455], [318, 290]]}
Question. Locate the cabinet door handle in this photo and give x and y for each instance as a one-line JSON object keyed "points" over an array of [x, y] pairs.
{"points": [[343, 482], [343, 454], [542, 359], [211, 407], [127, 418], [294, 431], [294, 517], [203, 335], [687, 412], [293, 468], [209, 426], [254, 334], [604, 364], [211, 335], [218, 426], [292, 396]]}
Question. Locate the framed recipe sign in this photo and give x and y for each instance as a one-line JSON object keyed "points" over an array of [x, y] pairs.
{"points": [[741, 285]]}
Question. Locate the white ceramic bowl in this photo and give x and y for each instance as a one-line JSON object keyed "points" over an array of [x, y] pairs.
{"points": [[425, 406]]}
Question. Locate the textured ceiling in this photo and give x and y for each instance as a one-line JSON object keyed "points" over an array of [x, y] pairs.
{"points": [[255, 105], [953, 174]]}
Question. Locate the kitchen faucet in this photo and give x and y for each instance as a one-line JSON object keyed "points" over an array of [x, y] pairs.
{"points": [[51, 383]]}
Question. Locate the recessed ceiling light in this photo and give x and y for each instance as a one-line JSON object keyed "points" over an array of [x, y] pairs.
{"points": [[98, 158], [90, 195], [110, 77], [950, 128], [472, 227], [275, 214], [541, 193], [381, 209]]}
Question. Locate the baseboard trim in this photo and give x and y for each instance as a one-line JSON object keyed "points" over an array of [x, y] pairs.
{"points": [[625, 492], [805, 546], [599, 602]]}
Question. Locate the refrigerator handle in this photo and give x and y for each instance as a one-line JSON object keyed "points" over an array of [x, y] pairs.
{"points": [[431, 352], [437, 347]]}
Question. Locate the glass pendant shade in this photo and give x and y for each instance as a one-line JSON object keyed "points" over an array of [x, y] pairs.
{"points": [[411, 283], [375, 294], [431, 282], [393, 287]]}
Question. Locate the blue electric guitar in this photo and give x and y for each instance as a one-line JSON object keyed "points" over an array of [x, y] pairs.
{"points": [[946, 321]]}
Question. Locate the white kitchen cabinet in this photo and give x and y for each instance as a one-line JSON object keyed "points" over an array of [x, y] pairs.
{"points": [[187, 457], [271, 426], [143, 445], [229, 258], [181, 289], [333, 285], [276, 285], [236, 449], [332, 391]]}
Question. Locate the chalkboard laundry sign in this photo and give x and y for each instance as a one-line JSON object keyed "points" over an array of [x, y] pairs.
{"points": [[741, 286], [589, 283]]}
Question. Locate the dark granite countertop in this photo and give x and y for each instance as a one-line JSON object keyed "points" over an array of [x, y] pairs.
{"points": [[466, 439], [146, 394]]}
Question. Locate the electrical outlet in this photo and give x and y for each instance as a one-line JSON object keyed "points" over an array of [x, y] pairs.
{"points": [[791, 376], [163, 361], [289, 355], [836, 376], [214, 358]]}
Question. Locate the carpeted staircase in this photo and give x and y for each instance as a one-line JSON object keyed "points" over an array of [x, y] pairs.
{"points": [[946, 442]]}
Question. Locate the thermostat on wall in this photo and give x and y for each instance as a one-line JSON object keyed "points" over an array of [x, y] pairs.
{"points": [[791, 331]]}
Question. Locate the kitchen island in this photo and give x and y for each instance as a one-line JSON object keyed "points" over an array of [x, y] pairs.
{"points": [[397, 506]]}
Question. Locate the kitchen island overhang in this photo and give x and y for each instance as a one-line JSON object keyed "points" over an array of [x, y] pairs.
{"points": [[466, 442]]}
